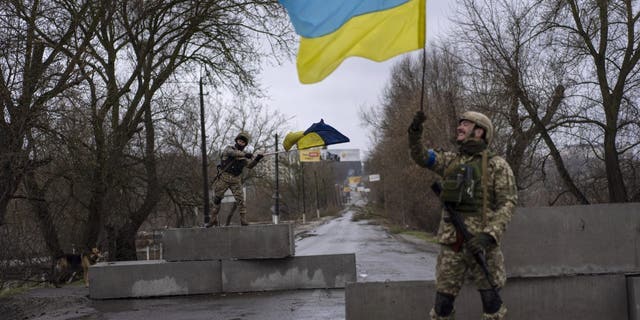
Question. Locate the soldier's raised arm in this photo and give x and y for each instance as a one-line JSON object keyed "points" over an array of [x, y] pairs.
{"points": [[436, 161]]}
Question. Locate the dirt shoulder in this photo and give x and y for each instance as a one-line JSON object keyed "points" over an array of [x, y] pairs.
{"points": [[69, 302]]}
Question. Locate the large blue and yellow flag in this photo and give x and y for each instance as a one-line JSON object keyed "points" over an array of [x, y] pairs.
{"points": [[333, 30], [318, 134]]}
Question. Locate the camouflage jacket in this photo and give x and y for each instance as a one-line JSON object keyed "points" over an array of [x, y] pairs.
{"points": [[501, 188], [234, 160]]}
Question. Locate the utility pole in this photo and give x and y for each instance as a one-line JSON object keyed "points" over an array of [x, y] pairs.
{"points": [[276, 211], [324, 196], [315, 177], [304, 195], [205, 175]]}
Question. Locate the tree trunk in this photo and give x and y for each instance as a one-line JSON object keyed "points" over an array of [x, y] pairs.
{"points": [[615, 181], [36, 197], [125, 236], [96, 209], [10, 172], [122, 242], [8, 186], [126, 242]]}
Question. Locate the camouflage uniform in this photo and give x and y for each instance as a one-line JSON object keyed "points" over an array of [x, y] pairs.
{"points": [[452, 267], [233, 162]]}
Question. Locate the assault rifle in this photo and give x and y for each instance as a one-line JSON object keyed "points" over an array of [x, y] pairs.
{"points": [[457, 221]]}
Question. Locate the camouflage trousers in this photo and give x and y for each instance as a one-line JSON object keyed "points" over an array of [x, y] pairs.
{"points": [[453, 268], [220, 186]]}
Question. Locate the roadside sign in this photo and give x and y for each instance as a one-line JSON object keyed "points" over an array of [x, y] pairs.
{"points": [[342, 155], [312, 155], [353, 181], [374, 177]]}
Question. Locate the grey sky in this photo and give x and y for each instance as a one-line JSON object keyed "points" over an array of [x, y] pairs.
{"points": [[337, 99]]}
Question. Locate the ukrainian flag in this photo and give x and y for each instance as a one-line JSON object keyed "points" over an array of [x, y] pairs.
{"points": [[317, 135], [333, 30]]}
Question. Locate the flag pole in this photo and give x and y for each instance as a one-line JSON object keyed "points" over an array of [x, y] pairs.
{"points": [[205, 178], [424, 59], [304, 195], [274, 152]]}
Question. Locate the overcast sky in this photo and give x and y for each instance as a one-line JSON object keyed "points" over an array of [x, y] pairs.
{"points": [[338, 98]]}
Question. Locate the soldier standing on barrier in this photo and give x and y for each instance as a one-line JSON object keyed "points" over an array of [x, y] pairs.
{"points": [[234, 159], [486, 203]]}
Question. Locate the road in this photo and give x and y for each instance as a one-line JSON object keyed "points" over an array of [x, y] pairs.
{"points": [[379, 257]]}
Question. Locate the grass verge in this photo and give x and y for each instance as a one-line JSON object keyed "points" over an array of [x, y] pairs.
{"points": [[376, 217]]}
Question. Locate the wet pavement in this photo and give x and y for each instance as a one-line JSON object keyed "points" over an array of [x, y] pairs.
{"points": [[379, 257]]}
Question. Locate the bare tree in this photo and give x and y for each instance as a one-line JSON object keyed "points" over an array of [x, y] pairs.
{"points": [[603, 38], [37, 64], [140, 46], [508, 45]]}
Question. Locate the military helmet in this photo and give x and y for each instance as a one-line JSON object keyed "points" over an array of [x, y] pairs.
{"points": [[243, 136], [481, 121]]}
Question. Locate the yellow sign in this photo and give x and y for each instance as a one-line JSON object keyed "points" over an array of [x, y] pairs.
{"points": [[354, 180], [309, 155]]}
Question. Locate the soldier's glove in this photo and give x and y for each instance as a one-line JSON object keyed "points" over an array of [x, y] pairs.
{"points": [[248, 155], [481, 242], [415, 132], [259, 157], [418, 120]]}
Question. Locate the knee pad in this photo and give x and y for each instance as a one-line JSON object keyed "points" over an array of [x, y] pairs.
{"points": [[217, 200], [491, 301], [444, 304]]}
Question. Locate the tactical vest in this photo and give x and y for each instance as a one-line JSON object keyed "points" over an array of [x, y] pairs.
{"points": [[462, 187], [232, 165]]}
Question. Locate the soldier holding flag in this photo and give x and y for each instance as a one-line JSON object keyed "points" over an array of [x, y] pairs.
{"points": [[233, 160], [478, 186]]}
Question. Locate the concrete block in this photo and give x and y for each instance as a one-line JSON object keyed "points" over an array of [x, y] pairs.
{"points": [[302, 272], [129, 279], [593, 239], [265, 241], [405, 300], [633, 296], [545, 298]]}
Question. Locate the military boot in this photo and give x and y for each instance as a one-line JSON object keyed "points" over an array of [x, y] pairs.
{"points": [[212, 223], [243, 219], [434, 316], [500, 315]]}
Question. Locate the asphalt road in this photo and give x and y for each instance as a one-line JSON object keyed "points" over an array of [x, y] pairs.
{"points": [[379, 257]]}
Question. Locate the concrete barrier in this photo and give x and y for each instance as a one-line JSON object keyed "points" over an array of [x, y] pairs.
{"points": [[405, 300], [302, 272], [544, 298], [266, 241], [593, 239], [128, 279], [633, 293]]}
